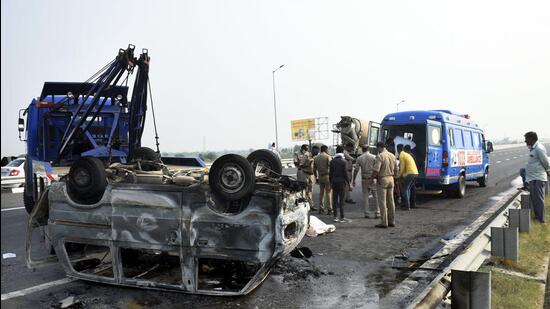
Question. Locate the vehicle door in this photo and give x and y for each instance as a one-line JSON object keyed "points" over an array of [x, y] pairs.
{"points": [[433, 148], [374, 134], [475, 156], [487, 148]]}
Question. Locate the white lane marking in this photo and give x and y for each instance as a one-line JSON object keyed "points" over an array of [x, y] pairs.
{"points": [[515, 157], [17, 190], [499, 162], [507, 159], [36, 288], [14, 208]]}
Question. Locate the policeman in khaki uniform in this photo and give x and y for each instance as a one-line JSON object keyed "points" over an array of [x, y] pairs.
{"points": [[385, 171], [350, 161], [321, 166], [304, 163], [365, 163]]}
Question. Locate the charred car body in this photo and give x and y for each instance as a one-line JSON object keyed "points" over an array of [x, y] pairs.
{"points": [[123, 215]]}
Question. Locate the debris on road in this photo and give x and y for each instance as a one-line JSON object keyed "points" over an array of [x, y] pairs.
{"points": [[9, 255], [302, 252], [70, 302], [297, 269]]}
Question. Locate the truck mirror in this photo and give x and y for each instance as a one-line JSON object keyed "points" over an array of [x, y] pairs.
{"points": [[21, 125], [489, 147]]}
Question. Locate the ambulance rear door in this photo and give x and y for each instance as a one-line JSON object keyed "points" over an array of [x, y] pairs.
{"points": [[434, 149]]}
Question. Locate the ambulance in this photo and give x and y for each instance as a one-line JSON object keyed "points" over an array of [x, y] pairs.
{"points": [[450, 149]]}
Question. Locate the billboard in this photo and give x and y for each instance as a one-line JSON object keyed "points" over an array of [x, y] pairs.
{"points": [[309, 129]]}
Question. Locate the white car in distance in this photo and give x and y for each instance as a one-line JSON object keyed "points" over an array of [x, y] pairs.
{"points": [[13, 169]]}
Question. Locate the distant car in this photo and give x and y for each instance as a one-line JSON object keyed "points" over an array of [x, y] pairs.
{"points": [[13, 169]]}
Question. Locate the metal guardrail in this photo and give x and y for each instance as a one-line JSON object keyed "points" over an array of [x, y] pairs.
{"points": [[467, 251], [287, 163]]}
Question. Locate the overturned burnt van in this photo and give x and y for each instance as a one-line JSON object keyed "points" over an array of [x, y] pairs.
{"points": [[152, 222]]}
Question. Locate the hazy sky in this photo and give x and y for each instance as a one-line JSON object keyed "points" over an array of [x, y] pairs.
{"points": [[211, 62]]}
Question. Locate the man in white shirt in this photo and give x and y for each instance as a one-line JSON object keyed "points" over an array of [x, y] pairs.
{"points": [[537, 171]]}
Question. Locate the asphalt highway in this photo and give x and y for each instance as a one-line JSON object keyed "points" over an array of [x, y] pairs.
{"points": [[354, 262]]}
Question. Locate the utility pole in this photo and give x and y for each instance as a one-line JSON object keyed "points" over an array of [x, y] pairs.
{"points": [[275, 108]]}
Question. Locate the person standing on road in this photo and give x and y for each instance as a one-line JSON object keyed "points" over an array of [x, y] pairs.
{"points": [[349, 167], [365, 163], [321, 166], [408, 150], [339, 180], [304, 163], [537, 171], [407, 173], [385, 170], [273, 149]]}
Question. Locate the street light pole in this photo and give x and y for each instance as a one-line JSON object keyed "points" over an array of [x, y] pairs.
{"points": [[402, 101], [275, 108]]}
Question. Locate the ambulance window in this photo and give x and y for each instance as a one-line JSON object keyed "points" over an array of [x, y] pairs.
{"points": [[451, 138], [476, 141], [459, 142], [434, 135], [467, 139]]}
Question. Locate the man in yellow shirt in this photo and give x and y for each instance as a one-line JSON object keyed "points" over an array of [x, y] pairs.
{"points": [[408, 173]]}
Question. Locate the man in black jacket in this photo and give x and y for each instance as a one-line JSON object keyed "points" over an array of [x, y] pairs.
{"points": [[339, 180]]}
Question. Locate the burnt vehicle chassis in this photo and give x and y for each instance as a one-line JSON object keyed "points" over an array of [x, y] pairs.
{"points": [[173, 237]]}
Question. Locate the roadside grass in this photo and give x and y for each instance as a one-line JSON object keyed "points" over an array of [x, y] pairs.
{"points": [[508, 291], [513, 292]]}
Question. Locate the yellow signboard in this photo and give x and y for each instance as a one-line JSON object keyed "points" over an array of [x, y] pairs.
{"points": [[302, 129]]}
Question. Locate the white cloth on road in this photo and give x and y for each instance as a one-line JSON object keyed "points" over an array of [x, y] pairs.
{"points": [[318, 227]]}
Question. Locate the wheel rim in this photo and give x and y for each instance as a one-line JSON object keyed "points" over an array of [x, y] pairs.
{"points": [[81, 177], [486, 177], [232, 178]]}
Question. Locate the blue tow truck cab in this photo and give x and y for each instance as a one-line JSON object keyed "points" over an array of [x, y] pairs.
{"points": [[450, 148]]}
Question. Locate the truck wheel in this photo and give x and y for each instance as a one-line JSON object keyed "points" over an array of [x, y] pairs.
{"points": [[145, 153], [266, 160], [232, 177], [28, 201], [484, 180], [457, 190], [87, 180]]}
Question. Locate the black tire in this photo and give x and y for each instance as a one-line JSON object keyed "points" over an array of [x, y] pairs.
{"points": [[484, 180], [457, 190], [268, 159], [145, 153], [232, 177], [28, 201], [87, 181]]}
